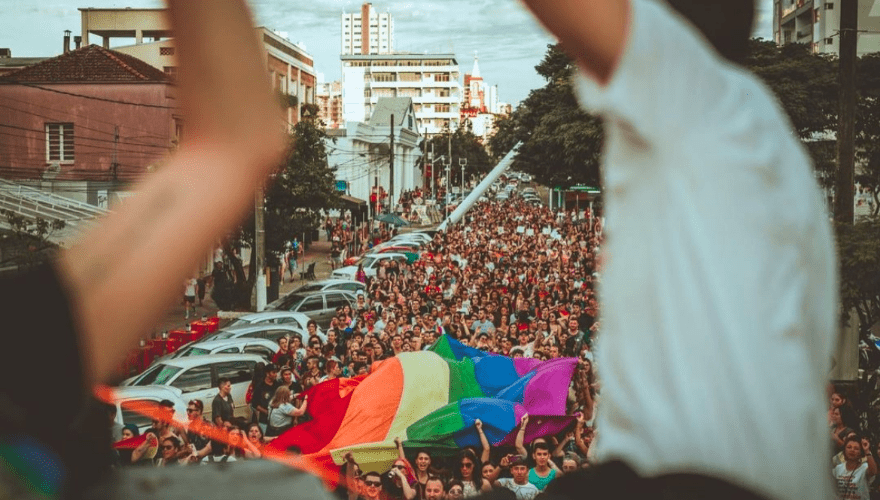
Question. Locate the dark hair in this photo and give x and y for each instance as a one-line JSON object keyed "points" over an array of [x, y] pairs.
{"points": [[726, 24], [222, 380], [853, 438], [197, 403], [374, 474], [540, 445]]}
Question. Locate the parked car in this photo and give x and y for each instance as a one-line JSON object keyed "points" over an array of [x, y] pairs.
{"points": [[319, 306], [267, 331], [234, 345], [294, 319], [153, 394], [397, 246], [196, 377], [332, 284], [422, 238], [371, 265]]}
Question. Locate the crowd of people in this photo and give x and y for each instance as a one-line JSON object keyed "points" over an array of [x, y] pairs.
{"points": [[515, 285]]}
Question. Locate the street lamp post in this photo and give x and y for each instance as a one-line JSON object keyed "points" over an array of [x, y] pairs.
{"points": [[462, 162], [447, 163]]}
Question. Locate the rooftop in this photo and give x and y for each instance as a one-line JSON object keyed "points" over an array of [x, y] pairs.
{"points": [[92, 63]]}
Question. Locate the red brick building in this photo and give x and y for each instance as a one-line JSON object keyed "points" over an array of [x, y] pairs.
{"points": [[87, 123]]}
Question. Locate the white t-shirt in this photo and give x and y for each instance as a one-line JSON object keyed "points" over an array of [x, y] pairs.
{"points": [[526, 491], [719, 286], [852, 485]]}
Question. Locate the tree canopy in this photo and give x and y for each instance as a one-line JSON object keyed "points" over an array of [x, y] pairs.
{"points": [[464, 145], [561, 143]]}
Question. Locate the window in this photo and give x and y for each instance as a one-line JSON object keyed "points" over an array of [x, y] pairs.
{"points": [[59, 142], [335, 300], [441, 108], [228, 350], [259, 351], [132, 417], [235, 371], [274, 335], [441, 77], [829, 6], [166, 51], [315, 303], [829, 41], [197, 378]]}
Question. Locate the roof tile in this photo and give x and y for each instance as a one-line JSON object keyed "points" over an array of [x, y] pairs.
{"points": [[91, 63]]}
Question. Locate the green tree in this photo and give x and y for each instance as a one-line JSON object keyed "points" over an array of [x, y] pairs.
{"points": [[302, 186], [32, 246], [464, 145], [561, 143], [868, 126]]}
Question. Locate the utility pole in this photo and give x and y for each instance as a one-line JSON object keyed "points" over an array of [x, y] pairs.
{"points": [[115, 157], [392, 203], [447, 162], [843, 200], [260, 249], [462, 162], [433, 176]]}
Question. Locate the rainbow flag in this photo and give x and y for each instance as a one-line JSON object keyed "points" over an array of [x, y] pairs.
{"points": [[431, 399]]}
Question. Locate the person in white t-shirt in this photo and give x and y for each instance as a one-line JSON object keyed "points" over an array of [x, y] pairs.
{"points": [[719, 281], [859, 469], [519, 484]]}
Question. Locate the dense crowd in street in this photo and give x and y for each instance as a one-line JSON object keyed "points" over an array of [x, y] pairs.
{"points": [[515, 280]]}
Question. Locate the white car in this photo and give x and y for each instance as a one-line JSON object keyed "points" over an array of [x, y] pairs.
{"points": [[290, 318], [268, 331], [331, 284], [261, 347], [422, 238], [153, 394], [371, 265], [196, 377]]}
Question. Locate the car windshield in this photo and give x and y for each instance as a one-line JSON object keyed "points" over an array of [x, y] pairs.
{"points": [[195, 351], [157, 375], [365, 261], [292, 301], [310, 288]]}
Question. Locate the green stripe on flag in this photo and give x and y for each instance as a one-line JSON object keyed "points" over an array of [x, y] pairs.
{"points": [[441, 348], [462, 380], [437, 426]]}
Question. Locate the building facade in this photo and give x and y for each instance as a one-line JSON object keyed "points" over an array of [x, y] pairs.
{"points": [[329, 101], [290, 67], [817, 22], [480, 104], [361, 156], [87, 123], [367, 32], [430, 80]]}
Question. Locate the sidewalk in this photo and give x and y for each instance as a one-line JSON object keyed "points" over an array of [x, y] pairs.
{"points": [[175, 317]]}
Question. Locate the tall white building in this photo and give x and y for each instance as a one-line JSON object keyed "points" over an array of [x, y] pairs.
{"points": [[367, 32], [816, 22], [431, 80]]}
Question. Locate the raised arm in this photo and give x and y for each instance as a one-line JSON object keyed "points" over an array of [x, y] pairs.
{"points": [[234, 139], [400, 453], [484, 441], [592, 32], [521, 436]]}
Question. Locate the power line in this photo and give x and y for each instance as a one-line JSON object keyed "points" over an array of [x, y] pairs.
{"points": [[102, 99], [79, 125]]}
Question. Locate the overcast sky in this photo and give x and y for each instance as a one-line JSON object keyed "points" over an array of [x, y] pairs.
{"points": [[508, 41]]}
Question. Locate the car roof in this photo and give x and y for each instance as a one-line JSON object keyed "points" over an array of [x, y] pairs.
{"points": [[328, 282], [271, 315], [191, 361], [259, 328], [220, 343], [125, 392]]}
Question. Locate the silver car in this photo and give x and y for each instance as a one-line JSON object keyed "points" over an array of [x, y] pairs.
{"points": [[319, 306]]}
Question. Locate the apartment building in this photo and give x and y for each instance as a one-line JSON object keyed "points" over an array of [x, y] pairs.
{"points": [[817, 22], [367, 32], [431, 80]]}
